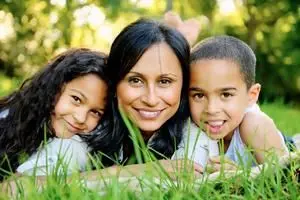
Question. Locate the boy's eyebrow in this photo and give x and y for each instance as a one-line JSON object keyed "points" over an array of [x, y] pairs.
{"points": [[228, 88], [195, 89]]}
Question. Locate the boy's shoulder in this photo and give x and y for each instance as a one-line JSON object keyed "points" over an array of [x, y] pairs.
{"points": [[256, 124]]}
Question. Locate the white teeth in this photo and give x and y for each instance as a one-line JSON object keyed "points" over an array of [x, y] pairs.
{"points": [[215, 123], [149, 114]]}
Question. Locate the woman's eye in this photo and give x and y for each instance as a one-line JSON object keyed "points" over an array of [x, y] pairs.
{"points": [[135, 81], [76, 99], [165, 82]]}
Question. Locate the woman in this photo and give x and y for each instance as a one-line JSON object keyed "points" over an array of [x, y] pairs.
{"points": [[149, 68]]}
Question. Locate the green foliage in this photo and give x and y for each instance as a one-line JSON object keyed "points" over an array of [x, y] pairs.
{"points": [[41, 29]]}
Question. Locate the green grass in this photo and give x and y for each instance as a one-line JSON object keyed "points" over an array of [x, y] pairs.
{"points": [[273, 183], [286, 117]]}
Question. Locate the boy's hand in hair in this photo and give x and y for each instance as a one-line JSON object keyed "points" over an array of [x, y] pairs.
{"points": [[189, 28]]}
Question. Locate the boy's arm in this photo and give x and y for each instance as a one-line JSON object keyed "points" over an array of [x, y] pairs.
{"points": [[260, 134]]}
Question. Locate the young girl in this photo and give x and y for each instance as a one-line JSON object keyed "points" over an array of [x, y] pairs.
{"points": [[63, 100]]}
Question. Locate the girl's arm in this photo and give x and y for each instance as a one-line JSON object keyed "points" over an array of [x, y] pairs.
{"points": [[260, 134], [155, 168]]}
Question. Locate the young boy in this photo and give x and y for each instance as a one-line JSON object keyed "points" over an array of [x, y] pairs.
{"points": [[222, 98]]}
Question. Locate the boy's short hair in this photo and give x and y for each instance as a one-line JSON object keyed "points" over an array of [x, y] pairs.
{"points": [[228, 48]]}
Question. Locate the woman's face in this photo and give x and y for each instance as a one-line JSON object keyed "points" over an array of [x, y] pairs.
{"points": [[150, 93], [80, 106]]}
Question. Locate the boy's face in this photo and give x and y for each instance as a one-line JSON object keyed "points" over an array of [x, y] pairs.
{"points": [[218, 96]]}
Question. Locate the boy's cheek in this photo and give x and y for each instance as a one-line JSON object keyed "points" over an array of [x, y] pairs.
{"points": [[196, 113]]}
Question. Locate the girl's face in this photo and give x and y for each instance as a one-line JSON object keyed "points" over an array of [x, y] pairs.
{"points": [[80, 106], [150, 93]]}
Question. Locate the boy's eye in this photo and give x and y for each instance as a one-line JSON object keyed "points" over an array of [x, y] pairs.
{"points": [[226, 95], [135, 81], [76, 99], [198, 96]]}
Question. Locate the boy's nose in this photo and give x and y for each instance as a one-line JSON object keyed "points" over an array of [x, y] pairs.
{"points": [[212, 107]]}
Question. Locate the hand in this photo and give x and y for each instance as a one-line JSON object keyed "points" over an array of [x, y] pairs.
{"points": [[173, 167], [189, 28], [219, 163]]}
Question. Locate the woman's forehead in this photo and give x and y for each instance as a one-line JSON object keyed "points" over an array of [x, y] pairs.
{"points": [[158, 59]]}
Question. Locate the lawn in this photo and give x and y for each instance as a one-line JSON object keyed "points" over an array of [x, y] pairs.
{"points": [[286, 117], [274, 182]]}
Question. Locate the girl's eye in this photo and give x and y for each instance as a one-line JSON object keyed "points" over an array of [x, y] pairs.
{"points": [[135, 81], [76, 99], [226, 95], [97, 113]]}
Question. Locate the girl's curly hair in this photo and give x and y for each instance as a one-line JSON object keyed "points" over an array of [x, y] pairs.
{"points": [[27, 123]]}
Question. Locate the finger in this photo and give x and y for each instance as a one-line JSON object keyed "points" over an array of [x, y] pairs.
{"points": [[198, 168], [211, 168], [214, 159], [172, 19]]}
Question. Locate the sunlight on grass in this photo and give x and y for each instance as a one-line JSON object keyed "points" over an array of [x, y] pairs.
{"points": [[285, 117]]}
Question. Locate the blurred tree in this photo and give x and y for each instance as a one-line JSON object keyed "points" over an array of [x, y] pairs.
{"points": [[36, 30]]}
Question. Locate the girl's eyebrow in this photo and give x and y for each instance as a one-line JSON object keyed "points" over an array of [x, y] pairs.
{"points": [[85, 98], [77, 91]]}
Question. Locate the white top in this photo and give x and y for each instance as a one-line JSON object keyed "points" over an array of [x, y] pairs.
{"points": [[61, 155], [196, 145], [3, 113]]}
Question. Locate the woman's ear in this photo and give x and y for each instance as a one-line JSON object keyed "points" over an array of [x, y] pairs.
{"points": [[253, 93]]}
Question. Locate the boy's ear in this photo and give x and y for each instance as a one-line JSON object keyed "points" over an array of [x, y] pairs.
{"points": [[253, 93]]}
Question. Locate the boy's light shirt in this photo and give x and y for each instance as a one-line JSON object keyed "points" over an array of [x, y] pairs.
{"points": [[196, 145], [64, 155]]}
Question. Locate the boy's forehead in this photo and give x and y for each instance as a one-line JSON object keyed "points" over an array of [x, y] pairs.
{"points": [[216, 72]]}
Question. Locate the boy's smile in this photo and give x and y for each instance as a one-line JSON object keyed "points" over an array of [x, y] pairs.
{"points": [[218, 96]]}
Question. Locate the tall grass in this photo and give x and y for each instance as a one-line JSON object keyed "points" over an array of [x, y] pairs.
{"points": [[273, 182]]}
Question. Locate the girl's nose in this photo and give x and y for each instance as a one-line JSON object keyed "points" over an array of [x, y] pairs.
{"points": [[80, 116]]}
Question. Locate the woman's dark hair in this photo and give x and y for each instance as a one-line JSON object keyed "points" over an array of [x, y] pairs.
{"points": [[23, 129], [126, 50]]}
